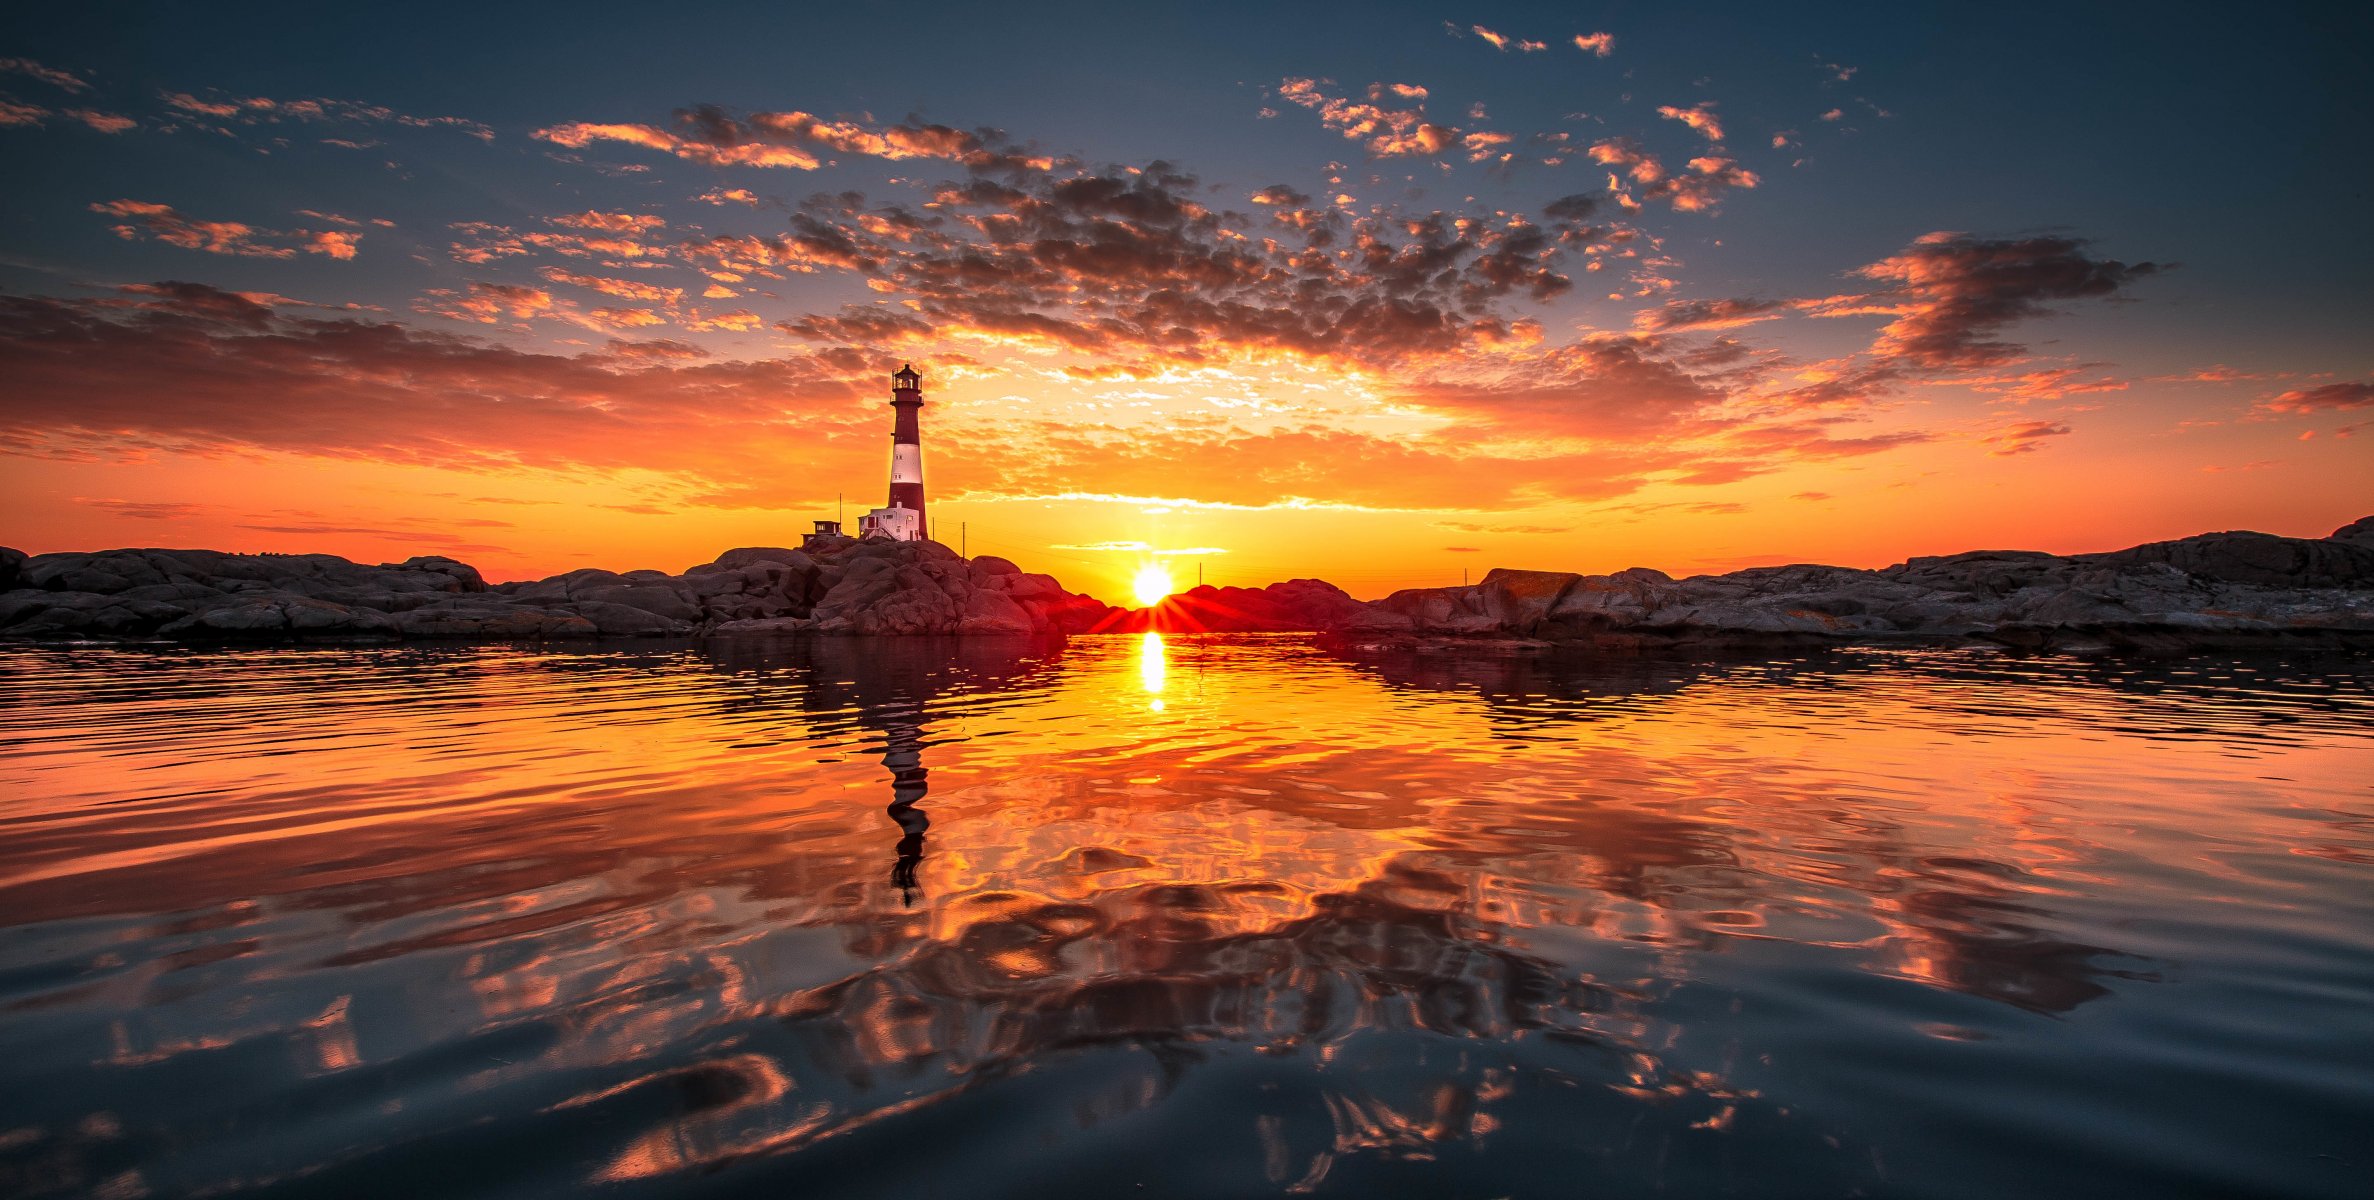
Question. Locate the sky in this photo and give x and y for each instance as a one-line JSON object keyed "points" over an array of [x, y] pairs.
{"points": [[1386, 294]]}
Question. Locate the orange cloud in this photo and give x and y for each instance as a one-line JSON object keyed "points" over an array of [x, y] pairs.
{"points": [[2330, 397], [66, 80], [103, 122], [578, 134], [708, 134], [624, 289], [1699, 116], [161, 222], [2023, 438], [1388, 132], [1698, 190], [1600, 44]]}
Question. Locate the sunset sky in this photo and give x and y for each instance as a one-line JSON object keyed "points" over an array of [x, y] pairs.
{"points": [[1376, 293]]}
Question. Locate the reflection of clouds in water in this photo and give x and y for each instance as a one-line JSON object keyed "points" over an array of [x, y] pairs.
{"points": [[1348, 922]]}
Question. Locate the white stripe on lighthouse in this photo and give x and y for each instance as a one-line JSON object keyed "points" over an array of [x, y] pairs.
{"points": [[906, 463]]}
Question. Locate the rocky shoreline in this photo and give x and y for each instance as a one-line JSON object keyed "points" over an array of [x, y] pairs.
{"points": [[840, 587], [2236, 590], [2217, 590]]}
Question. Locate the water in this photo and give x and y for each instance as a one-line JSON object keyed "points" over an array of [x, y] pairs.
{"points": [[1222, 917]]}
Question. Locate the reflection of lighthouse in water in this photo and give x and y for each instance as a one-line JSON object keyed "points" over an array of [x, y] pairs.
{"points": [[903, 754]]}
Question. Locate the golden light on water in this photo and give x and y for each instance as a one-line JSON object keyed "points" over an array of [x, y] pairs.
{"points": [[1151, 666], [1152, 583]]}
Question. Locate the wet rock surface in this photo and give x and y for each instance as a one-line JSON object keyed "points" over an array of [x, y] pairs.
{"points": [[844, 586], [2236, 589]]}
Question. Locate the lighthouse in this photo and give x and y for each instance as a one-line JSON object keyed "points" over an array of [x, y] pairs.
{"points": [[902, 518]]}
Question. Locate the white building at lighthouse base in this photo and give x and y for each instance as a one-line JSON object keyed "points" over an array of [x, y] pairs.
{"points": [[898, 522]]}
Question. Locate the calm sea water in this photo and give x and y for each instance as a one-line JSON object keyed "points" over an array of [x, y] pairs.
{"points": [[1217, 917]]}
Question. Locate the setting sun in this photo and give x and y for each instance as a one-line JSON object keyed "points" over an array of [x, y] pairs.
{"points": [[1152, 583]]}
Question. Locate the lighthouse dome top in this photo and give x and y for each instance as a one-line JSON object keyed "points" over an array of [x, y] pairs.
{"points": [[906, 376]]}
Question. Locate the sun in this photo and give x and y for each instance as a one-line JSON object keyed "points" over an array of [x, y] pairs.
{"points": [[1151, 584]]}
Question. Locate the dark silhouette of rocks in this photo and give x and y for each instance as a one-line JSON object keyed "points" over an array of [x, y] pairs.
{"points": [[842, 587], [2236, 589], [2216, 589], [1295, 606]]}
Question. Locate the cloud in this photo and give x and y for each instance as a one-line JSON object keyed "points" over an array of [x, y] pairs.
{"points": [[1600, 44], [602, 222], [103, 122], [1463, 549], [2049, 383], [337, 243], [2330, 397], [1699, 189], [191, 369], [66, 80], [654, 350], [145, 510], [1676, 315], [624, 289], [166, 225], [728, 196], [798, 140], [2023, 438], [578, 134], [1700, 116], [255, 110], [1387, 131], [488, 303], [1130, 262], [1959, 291]]}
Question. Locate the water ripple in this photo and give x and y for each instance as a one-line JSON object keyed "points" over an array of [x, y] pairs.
{"points": [[1216, 916]]}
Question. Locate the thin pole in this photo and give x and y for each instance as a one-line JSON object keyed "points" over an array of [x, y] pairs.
{"points": [[839, 509], [1199, 572], [963, 538], [1462, 577]]}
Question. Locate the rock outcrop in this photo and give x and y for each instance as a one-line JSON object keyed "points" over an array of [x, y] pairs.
{"points": [[2218, 589], [842, 587], [1295, 606]]}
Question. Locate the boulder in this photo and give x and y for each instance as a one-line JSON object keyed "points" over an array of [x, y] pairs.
{"points": [[2261, 558], [451, 576], [625, 620]]}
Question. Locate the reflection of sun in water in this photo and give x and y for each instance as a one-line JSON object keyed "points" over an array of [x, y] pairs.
{"points": [[1150, 667], [1152, 583]]}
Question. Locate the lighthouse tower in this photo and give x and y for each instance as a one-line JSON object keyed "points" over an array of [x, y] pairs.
{"points": [[903, 518]]}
